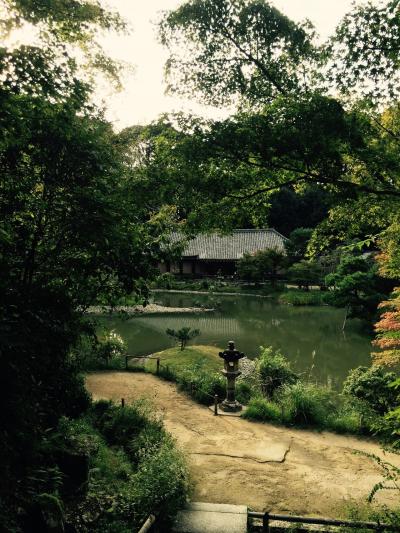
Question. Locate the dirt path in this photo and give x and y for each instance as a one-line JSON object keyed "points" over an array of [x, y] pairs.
{"points": [[259, 465]]}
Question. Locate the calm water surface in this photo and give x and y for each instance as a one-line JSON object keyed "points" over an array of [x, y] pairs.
{"points": [[310, 337]]}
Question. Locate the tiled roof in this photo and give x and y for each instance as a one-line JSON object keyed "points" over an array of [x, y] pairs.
{"points": [[231, 247]]}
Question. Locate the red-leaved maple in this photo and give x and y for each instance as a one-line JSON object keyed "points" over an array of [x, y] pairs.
{"points": [[388, 332]]}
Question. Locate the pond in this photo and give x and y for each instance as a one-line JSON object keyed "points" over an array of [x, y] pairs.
{"points": [[310, 337]]}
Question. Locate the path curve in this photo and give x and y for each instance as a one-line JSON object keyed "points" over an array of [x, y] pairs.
{"points": [[259, 465]]}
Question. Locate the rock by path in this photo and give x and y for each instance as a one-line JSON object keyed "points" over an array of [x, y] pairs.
{"points": [[265, 467]]}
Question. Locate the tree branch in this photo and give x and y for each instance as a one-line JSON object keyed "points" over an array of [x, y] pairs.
{"points": [[256, 62]]}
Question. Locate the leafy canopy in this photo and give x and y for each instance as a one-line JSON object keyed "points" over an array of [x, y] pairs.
{"points": [[226, 50]]}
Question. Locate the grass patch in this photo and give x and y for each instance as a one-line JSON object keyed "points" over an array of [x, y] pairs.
{"points": [[204, 357], [263, 410], [196, 370], [301, 297], [306, 404]]}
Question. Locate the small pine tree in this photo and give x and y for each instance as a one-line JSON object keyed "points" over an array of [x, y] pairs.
{"points": [[183, 335]]}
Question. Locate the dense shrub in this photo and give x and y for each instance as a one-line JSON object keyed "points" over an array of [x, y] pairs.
{"points": [[274, 371], [110, 346], [304, 274], [136, 469], [161, 480], [202, 385], [307, 404], [105, 351], [165, 281], [344, 422], [300, 297], [128, 428], [263, 410], [244, 392], [374, 386]]}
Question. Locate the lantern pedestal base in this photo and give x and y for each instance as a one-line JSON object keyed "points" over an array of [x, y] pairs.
{"points": [[231, 407], [238, 414]]}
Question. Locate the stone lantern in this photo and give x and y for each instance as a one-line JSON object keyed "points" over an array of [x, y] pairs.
{"points": [[231, 372]]}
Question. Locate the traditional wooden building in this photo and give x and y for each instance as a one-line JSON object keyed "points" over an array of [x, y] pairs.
{"points": [[213, 254]]}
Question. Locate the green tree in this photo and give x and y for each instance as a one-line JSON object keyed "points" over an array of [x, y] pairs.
{"points": [[264, 264], [365, 50], [292, 208], [225, 62], [72, 232], [374, 386], [357, 286], [287, 133], [305, 273], [296, 245], [183, 335]]}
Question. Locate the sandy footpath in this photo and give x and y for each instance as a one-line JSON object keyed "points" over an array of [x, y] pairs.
{"points": [[259, 465]]}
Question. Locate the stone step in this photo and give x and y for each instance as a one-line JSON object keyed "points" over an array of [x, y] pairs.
{"points": [[211, 518]]}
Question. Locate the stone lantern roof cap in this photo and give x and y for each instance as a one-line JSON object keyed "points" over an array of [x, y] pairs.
{"points": [[231, 354]]}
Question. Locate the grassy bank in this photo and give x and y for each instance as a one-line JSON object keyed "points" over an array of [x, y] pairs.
{"points": [[204, 357], [171, 282], [269, 387], [195, 370], [302, 297], [279, 292]]}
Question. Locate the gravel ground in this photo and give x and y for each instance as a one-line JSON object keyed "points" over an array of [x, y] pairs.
{"points": [[262, 466]]}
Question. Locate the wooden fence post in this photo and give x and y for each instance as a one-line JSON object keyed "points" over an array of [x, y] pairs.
{"points": [[216, 405], [265, 526], [122, 402], [158, 366]]}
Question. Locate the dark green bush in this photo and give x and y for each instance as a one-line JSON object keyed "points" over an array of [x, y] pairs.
{"points": [[201, 385], [346, 420], [244, 392], [124, 427], [142, 472], [205, 284], [263, 410], [165, 281], [298, 297], [104, 352], [372, 385], [161, 481], [274, 371], [307, 404]]}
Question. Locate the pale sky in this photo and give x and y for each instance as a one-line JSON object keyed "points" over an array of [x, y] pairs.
{"points": [[143, 98]]}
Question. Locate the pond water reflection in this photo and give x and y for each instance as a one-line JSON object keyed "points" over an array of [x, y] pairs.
{"points": [[310, 337]]}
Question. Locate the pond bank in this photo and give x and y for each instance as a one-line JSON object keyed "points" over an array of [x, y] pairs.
{"points": [[219, 293], [150, 309]]}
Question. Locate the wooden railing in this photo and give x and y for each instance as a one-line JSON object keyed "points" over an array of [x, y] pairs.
{"points": [[267, 518]]}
